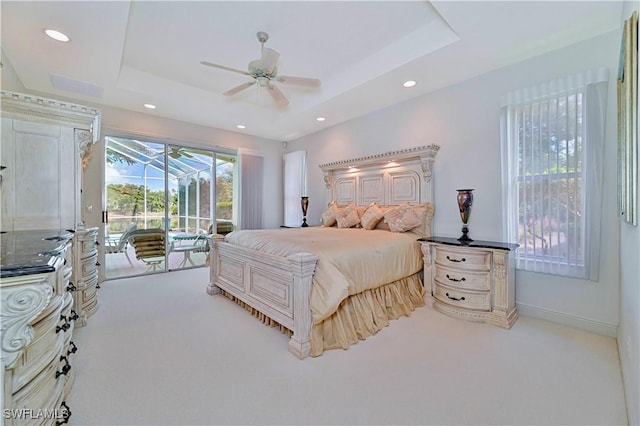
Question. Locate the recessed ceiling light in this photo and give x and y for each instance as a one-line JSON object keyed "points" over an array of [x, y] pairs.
{"points": [[409, 83], [320, 119], [150, 106], [241, 126], [57, 35]]}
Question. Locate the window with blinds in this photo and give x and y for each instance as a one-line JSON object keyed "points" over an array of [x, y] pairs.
{"points": [[550, 167], [552, 143]]}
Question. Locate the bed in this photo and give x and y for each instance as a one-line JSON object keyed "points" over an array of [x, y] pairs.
{"points": [[332, 285]]}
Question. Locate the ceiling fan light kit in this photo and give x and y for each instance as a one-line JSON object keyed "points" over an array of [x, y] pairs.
{"points": [[264, 73]]}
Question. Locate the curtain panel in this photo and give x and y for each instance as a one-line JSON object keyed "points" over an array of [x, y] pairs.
{"points": [[295, 178], [251, 188]]}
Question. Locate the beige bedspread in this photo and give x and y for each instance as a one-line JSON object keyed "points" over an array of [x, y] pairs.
{"points": [[350, 260]]}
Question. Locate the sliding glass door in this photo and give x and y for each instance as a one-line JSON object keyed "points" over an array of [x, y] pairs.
{"points": [[158, 191]]}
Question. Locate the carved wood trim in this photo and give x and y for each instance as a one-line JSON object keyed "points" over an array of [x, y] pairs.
{"points": [[37, 108], [20, 307], [425, 154]]}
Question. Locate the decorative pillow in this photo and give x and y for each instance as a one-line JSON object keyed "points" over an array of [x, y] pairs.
{"points": [[329, 216], [425, 213], [348, 217], [382, 225], [362, 210], [401, 218], [371, 216]]}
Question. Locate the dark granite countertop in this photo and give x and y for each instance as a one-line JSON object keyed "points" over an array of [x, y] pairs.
{"points": [[475, 243], [31, 252]]}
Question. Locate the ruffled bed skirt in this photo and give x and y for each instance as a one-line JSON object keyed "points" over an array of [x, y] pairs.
{"points": [[359, 316]]}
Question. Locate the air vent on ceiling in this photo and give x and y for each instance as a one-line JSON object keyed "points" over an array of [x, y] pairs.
{"points": [[76, 86]]}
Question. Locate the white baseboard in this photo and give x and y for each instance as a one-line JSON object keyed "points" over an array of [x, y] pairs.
{"points": [[598, 327]]}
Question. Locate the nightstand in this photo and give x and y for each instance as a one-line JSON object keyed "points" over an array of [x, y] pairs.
{"points": [[472, 280]]}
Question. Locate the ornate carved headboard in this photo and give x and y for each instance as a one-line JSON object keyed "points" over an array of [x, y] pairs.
{"points": [[388, 179]]}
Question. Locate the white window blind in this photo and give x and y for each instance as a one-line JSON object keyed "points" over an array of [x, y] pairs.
{"points": [[552, 149], [295, 186]]}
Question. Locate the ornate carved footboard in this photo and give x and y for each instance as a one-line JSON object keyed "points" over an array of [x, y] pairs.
{"points": [[279, 287]]}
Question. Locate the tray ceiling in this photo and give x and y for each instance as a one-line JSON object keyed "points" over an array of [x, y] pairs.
{"points": [[125, 54]]}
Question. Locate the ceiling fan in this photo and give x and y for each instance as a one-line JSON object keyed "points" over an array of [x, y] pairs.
{"points": [[173, 152], [177, 152], [264, 73]]}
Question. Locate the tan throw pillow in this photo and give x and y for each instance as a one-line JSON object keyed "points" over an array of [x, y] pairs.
{"points": [[382, 225], [425, 213], [371, 216], [329, 216], [348, 217], [401, 218]]}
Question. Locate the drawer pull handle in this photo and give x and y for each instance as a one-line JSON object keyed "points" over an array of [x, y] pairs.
{"points": [[455, 298], [72, 348], [455, 279], [74, 316], [65, 368], [71, 287], [66, 413], [65, 326], [456, 260]]}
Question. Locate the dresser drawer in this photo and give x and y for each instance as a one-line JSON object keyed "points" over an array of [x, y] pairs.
{"points": [[87, 248], [88, 267], [480, 301], [89, 291], [41, 392], [46, 345], [464, 259], [463, 278]]}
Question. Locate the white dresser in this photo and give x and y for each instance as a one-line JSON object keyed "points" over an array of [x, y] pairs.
{"points": [[472, 280], [37, 327], [84, 280]]}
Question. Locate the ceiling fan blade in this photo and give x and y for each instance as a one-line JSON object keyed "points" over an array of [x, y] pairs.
{"points": [[278, 97], [299, 81], [239, 88], [269, 59], [222, 67]]}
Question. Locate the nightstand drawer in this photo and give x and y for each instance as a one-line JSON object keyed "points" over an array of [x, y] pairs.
{"points": [[464, 259], [463, 279], [464, 299]]}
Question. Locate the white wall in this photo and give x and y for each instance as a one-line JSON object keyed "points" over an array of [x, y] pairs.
{"points": [[629, 329], [464, 121], [8, 77]]}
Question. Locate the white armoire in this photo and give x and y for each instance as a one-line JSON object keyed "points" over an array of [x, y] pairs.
{"points": [[44, 144]]}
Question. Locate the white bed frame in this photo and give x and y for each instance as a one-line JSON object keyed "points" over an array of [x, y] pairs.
{"points": [[280, 287]]}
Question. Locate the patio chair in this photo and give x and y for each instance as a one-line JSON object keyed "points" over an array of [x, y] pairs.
{"points": [[150, 246], [119, 244]]}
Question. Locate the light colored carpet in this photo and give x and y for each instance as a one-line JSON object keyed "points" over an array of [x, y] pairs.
{"points": [[161, 351]]}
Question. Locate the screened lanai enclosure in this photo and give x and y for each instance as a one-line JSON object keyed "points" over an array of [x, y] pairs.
{"points": [[161, 204]]}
